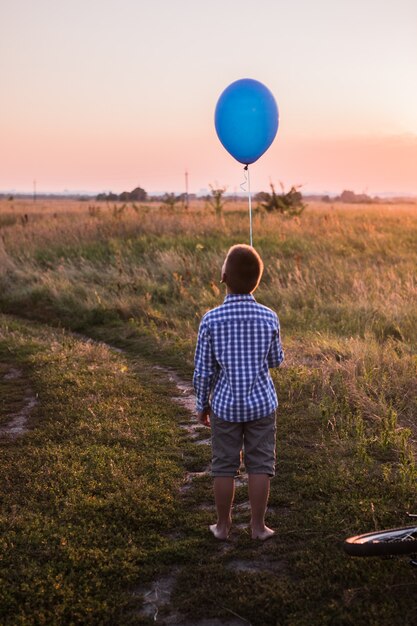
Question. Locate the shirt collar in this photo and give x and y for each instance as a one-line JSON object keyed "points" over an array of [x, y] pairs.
{"points": [[239, 297]]}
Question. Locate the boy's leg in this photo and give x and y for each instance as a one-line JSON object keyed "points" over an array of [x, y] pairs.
{"points": [[258, 485], [224, 491], [259, 438], [226, 439]]}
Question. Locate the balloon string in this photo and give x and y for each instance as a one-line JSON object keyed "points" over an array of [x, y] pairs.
{"points": [[244, 188], [250, 207], [243, 185]]}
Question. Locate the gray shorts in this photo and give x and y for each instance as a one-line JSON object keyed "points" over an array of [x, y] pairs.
{"points": [[256, 438]]}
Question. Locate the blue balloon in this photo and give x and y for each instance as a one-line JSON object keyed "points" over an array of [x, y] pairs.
{"points": [[246, 119]]}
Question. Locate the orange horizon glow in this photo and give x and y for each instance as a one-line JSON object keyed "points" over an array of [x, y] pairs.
{"points": [[364, 164], [101, 96]]}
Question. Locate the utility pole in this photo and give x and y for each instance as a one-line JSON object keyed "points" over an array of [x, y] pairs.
{"points": [[186, 189], [34, 190]]}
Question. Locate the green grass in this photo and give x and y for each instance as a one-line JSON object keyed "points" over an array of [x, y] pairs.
{"points": [[90, 491], [92, 510]]}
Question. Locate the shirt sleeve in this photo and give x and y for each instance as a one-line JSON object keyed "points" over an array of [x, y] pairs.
{"points": [[276, 353], [205, 369]]}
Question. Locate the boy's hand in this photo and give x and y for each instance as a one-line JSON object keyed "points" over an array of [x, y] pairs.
{"points": [[204, 417]]}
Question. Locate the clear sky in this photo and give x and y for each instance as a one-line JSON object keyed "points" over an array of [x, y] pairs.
{"points": [[105, 95]]}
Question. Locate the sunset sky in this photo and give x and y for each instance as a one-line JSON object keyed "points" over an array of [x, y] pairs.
{"points": [[102, 95]]}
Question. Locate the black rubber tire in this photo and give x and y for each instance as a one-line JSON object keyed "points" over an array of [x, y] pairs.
{"points": [[391, 541]]}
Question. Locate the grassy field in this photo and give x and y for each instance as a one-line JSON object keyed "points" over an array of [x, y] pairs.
{"points": [[91, 508]]}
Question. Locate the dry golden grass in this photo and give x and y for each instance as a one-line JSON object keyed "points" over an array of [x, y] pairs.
{"points": [[347, 269]]}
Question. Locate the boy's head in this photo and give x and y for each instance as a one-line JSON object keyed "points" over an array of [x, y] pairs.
{"points": [[242, 269]]}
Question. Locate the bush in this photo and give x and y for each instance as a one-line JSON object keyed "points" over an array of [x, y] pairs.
{"points": [[289, 203], [170, 200]]}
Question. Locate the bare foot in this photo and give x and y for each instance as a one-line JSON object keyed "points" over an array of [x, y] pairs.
{"points": [[264, 534], [219, 533]]}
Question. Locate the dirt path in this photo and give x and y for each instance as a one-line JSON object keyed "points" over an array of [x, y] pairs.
{"points": [[157, 596]]}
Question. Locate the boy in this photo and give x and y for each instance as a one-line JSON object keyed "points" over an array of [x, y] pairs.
{"points": [[237, 344]]}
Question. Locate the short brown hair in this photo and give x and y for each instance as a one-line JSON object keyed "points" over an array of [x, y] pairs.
{"points": [[243, 269]]}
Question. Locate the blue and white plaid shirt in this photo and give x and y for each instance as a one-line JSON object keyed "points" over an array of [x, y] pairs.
{"points": [[237, 344]]}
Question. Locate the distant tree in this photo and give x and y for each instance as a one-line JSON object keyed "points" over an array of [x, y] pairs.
{"points": [[170, 200], [290, 203], [184, 199], [347, 196], [108, 197], [138, 195], [351, 197], [216, 200]]}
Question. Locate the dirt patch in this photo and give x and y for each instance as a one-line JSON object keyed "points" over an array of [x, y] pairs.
{"points": [[13, 374], [252, 567], [17, 423], [202, 442], [241, 507], [190, 477], [193, 429], [157, 597], [186, 397], [239, 621], [157, 606], [241, 480]]}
